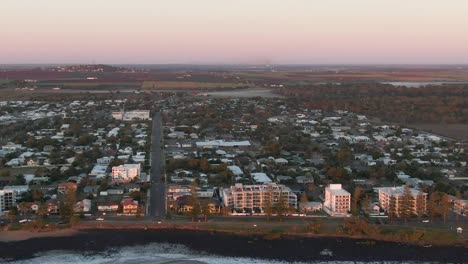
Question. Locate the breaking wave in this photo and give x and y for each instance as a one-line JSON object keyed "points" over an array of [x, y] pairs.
{"points": [[154, 253]]}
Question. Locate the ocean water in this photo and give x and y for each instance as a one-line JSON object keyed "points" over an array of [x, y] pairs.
{"points": [[420, 84], [155, 253]]}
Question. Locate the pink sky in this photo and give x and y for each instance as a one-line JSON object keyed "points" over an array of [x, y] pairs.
{"points": [[241, 31]]}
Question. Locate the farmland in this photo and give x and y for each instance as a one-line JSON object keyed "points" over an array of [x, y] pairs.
{"points": [[89, 85], [190, 85]]}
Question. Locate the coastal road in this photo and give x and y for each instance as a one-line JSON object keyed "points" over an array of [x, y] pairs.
{"points": [[157, 192]]}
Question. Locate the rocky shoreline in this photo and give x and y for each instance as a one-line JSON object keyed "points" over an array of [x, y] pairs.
{"points": [[285, 248]]}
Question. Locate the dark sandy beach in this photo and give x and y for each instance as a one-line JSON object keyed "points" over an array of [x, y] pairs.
{"points": [[285, 248]]}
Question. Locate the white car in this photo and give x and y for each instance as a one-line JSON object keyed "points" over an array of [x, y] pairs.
{"points": [[100, 219]]}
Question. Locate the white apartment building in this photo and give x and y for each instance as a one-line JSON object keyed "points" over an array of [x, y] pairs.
{"points": [[132, 115], [337, 200], [125, 173], [386, 194], [254, 197], [7, 200]]}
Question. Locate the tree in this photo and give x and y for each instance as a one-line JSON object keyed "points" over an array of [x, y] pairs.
{"points": [[24, 209], [392, 213], [42, 211], [366, 204], [204, 165], [314, 227], [355, 199], [272, 148], [12, 214], [304, 201], [267, 203], [336, 174], [432, 205], [281, 206], [458, 198], [343, 156], [104, 185], [445, 206], [19, 180], [37, 195], [139, 211], [420, 204], [205, 209], [405, 208], [67, 204], [194, 202]]}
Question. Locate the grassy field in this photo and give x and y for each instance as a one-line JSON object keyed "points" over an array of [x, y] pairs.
{"points": [[88, 84], [4, 83], [343, 75], [188, 85], [454, 131]]}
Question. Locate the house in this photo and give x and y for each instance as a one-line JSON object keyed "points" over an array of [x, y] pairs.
{"points": [[99, 171], [337, 200], [183, 204], [104, 161], [222, 143], [108, 206], [236, 171], [115, 191], [15, 162], [305, 179], [129, 206], [281, 161], [52, 206], [65, 186], [261, 177], [83, 206], [311, 206], [132, 188], [91, 190], [10, 146]]}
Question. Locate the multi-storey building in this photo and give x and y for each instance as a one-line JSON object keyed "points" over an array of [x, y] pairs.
{"points": [[387, 194], [125, 173], [255, 198], [337, 200], [7, 200]]}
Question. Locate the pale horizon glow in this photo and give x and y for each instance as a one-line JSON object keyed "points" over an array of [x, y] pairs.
{"points": [[229, 32]]}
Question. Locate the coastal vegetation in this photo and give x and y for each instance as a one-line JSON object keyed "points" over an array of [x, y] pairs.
{"points": [[430, 104]]}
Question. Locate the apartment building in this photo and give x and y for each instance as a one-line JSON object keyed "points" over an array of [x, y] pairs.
{"points": [[337, 200], [125, 173], [254, 198], [386, 194], [7, 201]]}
